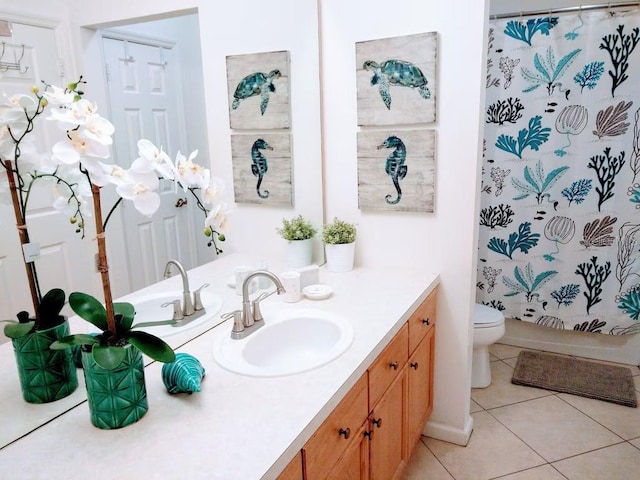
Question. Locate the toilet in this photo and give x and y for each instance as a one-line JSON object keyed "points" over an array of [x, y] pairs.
{"points": [[488, 328]]}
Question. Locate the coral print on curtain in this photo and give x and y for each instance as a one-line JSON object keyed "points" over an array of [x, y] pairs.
{"points": [[559, 240]]}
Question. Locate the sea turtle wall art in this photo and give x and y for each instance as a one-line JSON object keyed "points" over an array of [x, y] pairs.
{"points": [[258, 89], [396, 170], [262, 168], [396, 80]]}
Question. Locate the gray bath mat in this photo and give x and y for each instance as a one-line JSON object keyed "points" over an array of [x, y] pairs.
{"points": [[579, 377]]}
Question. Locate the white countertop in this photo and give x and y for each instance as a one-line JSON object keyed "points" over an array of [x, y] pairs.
{"points": [[237, 427]]}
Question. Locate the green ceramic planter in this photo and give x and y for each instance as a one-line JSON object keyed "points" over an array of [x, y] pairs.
{"points": [[45, 375], [117, 397]]}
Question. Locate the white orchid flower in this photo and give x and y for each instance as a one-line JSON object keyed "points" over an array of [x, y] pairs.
{"points": [[152, 158], [58, 96], [139, 187], [99, 129], [217, 218], [71, 150], [213, 190], [190, 174]]}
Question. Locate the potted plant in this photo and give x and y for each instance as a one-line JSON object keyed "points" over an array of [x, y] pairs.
{"points": [[340, 240], [112, 360], [45, 376], [299, 233]]}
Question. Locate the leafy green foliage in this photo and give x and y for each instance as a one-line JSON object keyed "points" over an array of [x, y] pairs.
{"points": [[547, 71], [298, 228], [49, 316], [589, 75], [536, 182], [339, 232], [527, 282], [522, 240], [525, 32], [108, 348], [532, 137]]}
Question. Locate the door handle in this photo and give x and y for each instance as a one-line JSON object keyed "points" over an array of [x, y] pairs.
{"points": [[181, 202]]}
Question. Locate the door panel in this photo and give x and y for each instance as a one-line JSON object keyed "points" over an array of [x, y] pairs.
{"points": [[141, 79]]}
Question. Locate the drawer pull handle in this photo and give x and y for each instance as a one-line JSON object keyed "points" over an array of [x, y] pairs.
{"points": [[394, 365], [367, 434], [378, 422], [426, 321], [345, 432], [414, 365]]}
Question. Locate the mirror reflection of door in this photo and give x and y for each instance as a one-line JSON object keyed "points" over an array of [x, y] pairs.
{"points": [[61, 248], [143, 82]]}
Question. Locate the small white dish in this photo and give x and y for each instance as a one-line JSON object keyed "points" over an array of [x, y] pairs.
{"points": [[317, 291]]}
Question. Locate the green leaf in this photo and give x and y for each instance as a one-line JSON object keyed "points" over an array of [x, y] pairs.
{"points": [[541, 67], [553, 177], [16, 330], [108, 356], [522, 281], [128, 313], [76, 339], [156, 323], [151, 346], [543, 278], [564, 63], [529, 178], [51, 305], [90, 309]]}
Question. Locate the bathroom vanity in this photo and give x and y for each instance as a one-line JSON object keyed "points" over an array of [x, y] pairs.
{"points": [[358, 416]]}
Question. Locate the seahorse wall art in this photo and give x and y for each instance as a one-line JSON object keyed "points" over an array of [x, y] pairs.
{"points": [[396, 170], [262, 168], [396, 80], [258, 88]]}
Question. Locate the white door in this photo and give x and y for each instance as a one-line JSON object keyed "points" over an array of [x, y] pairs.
{"points": [[143, 94], [61, 249]]}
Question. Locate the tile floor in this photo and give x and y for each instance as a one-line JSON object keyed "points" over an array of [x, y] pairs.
{"points": [[525, 433]]}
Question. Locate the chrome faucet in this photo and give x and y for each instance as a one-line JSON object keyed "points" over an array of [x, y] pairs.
{"points": [[249, 319], [187, 303]]}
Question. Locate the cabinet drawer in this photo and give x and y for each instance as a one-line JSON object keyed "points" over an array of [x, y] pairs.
{"points": [[423, 319], [336, 434], [388, 365]]}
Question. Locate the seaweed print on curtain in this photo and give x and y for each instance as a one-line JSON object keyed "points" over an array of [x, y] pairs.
{"points": [[559, 240]]}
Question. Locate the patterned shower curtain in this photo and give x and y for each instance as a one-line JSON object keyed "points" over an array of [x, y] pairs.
{"points": [[559, 240]]}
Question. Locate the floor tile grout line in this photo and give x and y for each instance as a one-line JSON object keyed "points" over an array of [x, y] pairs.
{"points": [[589, 416], [436, 457]]}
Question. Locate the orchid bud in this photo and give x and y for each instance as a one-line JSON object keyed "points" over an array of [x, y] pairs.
{"points": [[73, 220], [44, 102], [35, 90], [221, 237], [207, 231]]}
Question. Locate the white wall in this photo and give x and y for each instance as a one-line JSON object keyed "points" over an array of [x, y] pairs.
{"points": [[445, 241]]}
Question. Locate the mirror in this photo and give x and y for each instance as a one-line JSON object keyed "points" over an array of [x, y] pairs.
{"points": [[206, 119]]}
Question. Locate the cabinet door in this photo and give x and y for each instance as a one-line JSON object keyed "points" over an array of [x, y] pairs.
{"points": [[388, 426], [337, 433], [422, 320], [354, 464], [420, 400], [293, 471]]}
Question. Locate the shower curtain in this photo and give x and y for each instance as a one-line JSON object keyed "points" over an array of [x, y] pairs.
{"points": [[559, 241]]}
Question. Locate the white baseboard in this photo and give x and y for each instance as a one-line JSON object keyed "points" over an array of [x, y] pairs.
{"points": [[447, 433]]}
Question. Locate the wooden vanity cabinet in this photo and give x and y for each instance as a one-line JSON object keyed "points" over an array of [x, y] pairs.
{"points": [[293, 471], [387, 409]]}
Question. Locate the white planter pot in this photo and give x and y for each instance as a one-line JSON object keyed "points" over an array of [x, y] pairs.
{"points": [[340, 257], [299, 253]]}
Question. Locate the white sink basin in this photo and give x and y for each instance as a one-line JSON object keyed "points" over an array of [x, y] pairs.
{"points": [[291, 341], [149, 309]]}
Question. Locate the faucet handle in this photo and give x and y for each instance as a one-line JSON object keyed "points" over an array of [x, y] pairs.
{"points": [[257, 314], [197, 301], [177, 310], [238, 324]]}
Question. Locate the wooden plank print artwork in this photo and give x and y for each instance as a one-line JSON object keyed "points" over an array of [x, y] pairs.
{"points": [[258, 90], [262, 168], [396, 80], [396, 170]]}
